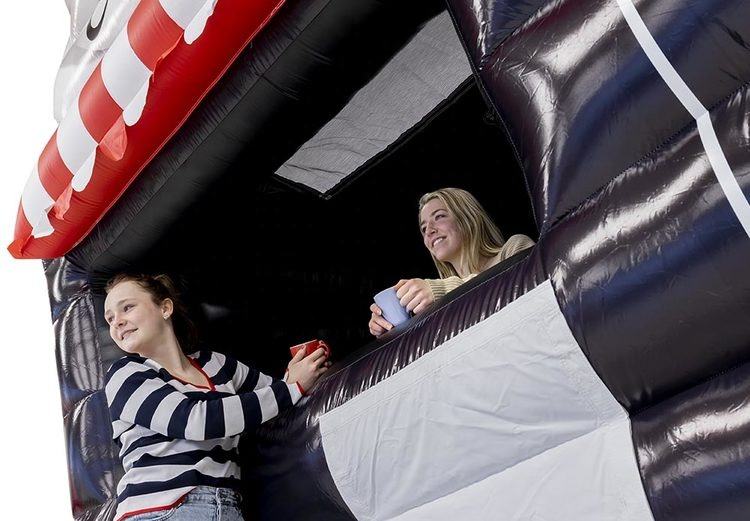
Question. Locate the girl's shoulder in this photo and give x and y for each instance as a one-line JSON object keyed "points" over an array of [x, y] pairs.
{"points": [[214, 359], [122, 369], [124, 361]]}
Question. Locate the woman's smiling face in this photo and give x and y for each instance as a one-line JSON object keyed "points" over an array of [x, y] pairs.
{"points": [[440, 233], [135, 321]]}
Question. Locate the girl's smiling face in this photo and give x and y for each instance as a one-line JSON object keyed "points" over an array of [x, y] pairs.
{"points": [[440, 233], [136, 323]]}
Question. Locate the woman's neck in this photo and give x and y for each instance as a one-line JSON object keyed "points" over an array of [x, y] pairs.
{"points": [[462, 265]]}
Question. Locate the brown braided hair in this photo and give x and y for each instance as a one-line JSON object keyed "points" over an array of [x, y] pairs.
{"points": [[162, 287]]}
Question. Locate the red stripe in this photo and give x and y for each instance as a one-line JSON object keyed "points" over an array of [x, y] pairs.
{"points": [[152, 33], [53, 173], [171, 100], [153, 509], [114, 144], [98, 110], [62, 203], [22, 234]]}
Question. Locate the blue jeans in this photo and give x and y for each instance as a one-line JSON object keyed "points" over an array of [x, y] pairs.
{"points": [[203, 503]]}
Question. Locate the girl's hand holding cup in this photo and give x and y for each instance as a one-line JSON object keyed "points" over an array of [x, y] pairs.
{"points": [[305, 369]]}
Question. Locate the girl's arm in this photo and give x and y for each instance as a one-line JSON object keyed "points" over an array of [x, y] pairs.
{"points": [[136, 394], [244, 378]]}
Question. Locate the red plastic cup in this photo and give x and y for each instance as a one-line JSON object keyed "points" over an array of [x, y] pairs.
{"points": [[310, 347]]}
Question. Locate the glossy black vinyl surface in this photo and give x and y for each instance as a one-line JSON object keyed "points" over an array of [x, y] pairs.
{"points": [[580, 98], [651, 272], [484, 25], [694, 451], [647, 258], [297, 74], [93, 463]]}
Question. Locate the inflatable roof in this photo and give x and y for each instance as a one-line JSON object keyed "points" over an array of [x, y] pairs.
{"points": [[270, 154]]}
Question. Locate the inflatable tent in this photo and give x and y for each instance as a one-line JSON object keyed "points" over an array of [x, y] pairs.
{"points": [[271, 154]]}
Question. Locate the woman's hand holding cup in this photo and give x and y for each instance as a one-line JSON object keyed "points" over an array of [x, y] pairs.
{"points": [[378, 324], [414, 294]]}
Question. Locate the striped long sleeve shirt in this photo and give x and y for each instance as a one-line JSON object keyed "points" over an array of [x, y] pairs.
{"points": [[174, 435]]}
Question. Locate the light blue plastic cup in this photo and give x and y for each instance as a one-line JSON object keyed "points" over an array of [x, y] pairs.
{"points": [[393, 311]]}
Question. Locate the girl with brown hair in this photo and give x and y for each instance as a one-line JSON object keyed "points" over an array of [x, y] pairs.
{"points": [[177, 413]]}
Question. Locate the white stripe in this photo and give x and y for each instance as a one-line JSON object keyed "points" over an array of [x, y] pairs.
{"points": [[294, 392], [117, 379], [119, 427], [173, 446], [163, 413], [215, 363], [268, 406], [182, 11], [161, 473], [74, 141], [716, 157], [234, 417], [123, 73], [240, 375], [198, 24], [263, 381], [134, 110], [508, 414], [196, 422], [36, 202], [82, 177], [728, 182], [135, 400]]}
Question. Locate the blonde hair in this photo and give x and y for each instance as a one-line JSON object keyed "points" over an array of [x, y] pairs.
{"points": [[480, 237]]}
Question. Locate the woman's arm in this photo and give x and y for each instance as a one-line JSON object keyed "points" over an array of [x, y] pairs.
{"points": [[137, 395]]}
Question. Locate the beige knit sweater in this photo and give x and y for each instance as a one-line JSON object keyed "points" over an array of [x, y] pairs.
{"points": [[512, 246]]}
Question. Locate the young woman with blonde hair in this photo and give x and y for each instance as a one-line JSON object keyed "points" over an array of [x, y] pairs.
{"points": [[463, 242]]}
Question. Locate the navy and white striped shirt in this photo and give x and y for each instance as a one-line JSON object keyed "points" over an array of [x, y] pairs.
{"points": [[175, 435]]}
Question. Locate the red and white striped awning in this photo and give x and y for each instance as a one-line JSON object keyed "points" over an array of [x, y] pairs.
{"points": [[160, 66]]}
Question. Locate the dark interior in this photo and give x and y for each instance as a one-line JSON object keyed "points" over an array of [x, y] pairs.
{"points": [[308, 265]]}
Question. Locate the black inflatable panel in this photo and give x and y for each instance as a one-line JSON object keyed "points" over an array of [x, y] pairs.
{"points": [[93, 464], [651, 272], [298, 72], [576, 91], [694, 451], [484, 25], [707, 42]]}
